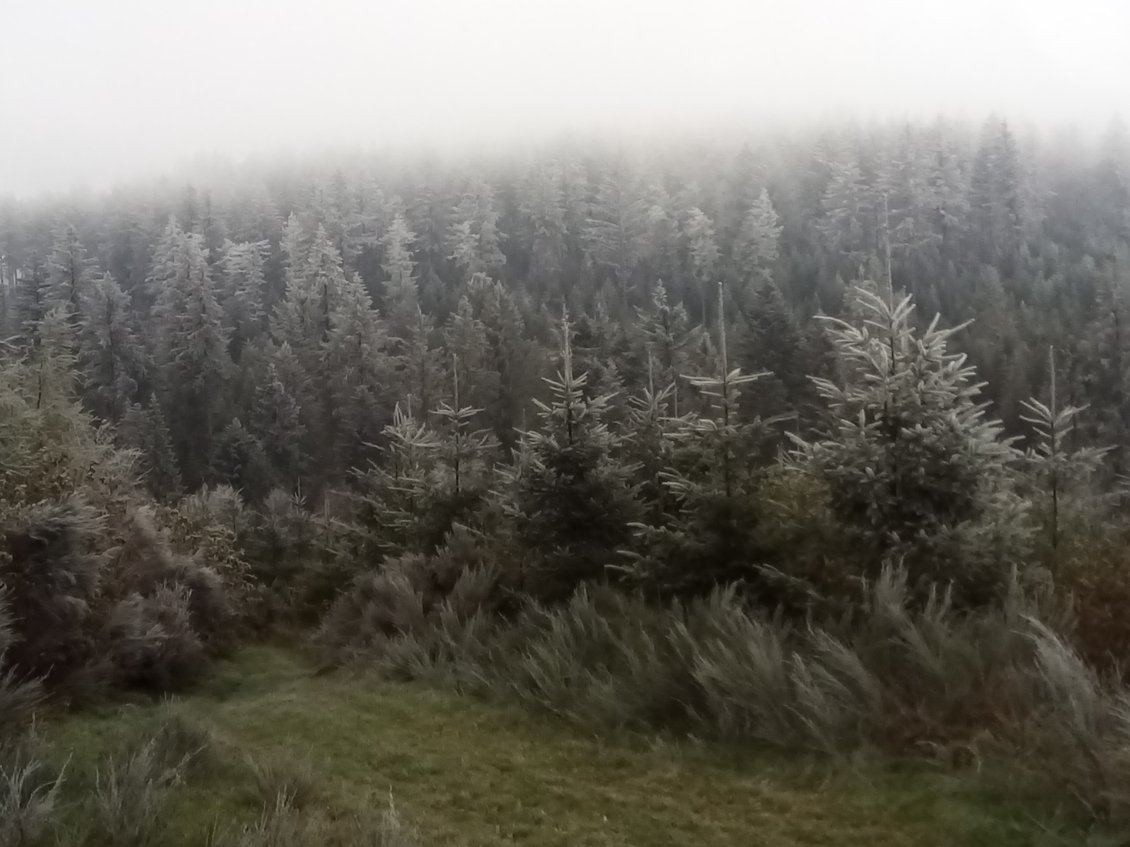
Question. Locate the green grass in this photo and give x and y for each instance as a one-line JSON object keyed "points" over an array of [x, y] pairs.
{"points": [[471, 773]]}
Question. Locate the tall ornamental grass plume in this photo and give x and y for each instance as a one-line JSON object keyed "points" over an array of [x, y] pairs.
{"points": [[29, 797], [130, 793], [1079, 731]]}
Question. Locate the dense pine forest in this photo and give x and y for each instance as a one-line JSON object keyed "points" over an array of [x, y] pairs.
{"points": [[816, 439]]}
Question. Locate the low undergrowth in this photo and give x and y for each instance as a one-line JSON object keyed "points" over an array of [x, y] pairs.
{"points": [[467, 772], [160, 782], [924, 679]]}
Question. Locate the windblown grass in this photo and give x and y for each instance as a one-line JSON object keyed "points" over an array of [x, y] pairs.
{"points": [[471, 773]]}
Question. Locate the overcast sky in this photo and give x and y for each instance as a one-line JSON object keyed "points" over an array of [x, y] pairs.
{"points": [[95, 91]]}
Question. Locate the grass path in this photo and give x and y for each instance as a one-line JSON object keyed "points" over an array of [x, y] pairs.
{"points": [[469, 773]]}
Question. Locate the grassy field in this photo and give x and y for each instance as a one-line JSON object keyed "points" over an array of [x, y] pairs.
{"points": [[469, 773]]}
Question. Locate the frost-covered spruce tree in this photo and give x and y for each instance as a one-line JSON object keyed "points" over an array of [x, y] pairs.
{"points": [[394, 491], [666, 334], [191, 353], [111, 358], [574, 501], [711, 536], [400, 288], [244, 290], [277, 419], [143, 428], [915, 470], [649, 444], [68, 271], [1058, 473], [463, 446]]}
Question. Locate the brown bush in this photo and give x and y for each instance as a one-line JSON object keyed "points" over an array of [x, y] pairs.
{"points": [[152, 641], [145, 561], [1095, 571], [407, 595], [52, 576]]}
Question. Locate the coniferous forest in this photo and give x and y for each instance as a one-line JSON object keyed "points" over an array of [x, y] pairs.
{"points": [[814, 439]]}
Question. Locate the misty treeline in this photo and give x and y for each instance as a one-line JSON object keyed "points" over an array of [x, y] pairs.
{"points": [[1026, 236], [601, 427]]}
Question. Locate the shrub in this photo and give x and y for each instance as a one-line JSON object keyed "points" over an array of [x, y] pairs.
{"points": [[144, 561], [52, 579], [214, 524], [152, 641], [413, 596]]}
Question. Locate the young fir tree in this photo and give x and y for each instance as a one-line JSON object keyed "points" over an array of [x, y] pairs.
{"points": [[602, 352], [574, 501], [68, 273], [400, 291], [418, 365], [295, 246], [240, 460], [999, 198], [769, 338], [915, 471], [143, 429], [614, 229], [756, 247], [1059, 473], [243, 269], [111, 359], [847, 209], [666, 335], [513, 362], [33, 301], [703, 254], [458, 482], [394, 493], [463, 446], [303, 318], [649, 444], [474, 236], [465, 338], [304, 322], [192, 356], [166, 268], [711, 537], [1102, 357], [278, 420], [543, 207], [355, 370], [52, 361]]}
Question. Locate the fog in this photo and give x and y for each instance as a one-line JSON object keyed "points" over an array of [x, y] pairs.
{"points": [[96, 91]]}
